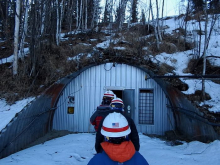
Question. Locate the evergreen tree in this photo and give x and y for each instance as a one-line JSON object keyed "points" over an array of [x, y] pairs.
{"points": [[134, 11], [198, 5], [118, 16], [143, 18], [107, 12], [7, 18], [90, 12], [214, 5]]}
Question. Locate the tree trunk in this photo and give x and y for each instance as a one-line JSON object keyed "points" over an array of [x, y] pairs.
{"points": [[204, 52], [130, 16], [162, 17], [186, 21], [158, 23], [16, 37], [155, 28], [58, 21], [94, 21], [123, 4], [148, 22], [80, 15], [24, 31], [200, 36], [43, 17], [77, 13], [86, 14], [69, 15], [214, 18]]}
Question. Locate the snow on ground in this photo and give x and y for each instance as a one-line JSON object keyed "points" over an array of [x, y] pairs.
{"points": [[179, 61], [78, 149], [8, 112], [210, 87], [10, 59]]}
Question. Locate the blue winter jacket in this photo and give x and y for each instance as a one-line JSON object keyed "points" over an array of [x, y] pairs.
{"points": [[103, 159]]}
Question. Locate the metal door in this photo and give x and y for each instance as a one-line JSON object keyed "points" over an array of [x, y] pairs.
{"points": [[128, 99]]}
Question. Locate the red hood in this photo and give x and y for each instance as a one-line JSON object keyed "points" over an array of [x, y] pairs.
{"points": [[119, 152]]}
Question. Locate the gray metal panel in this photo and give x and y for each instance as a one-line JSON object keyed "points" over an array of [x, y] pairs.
{"points": [[28, 125], [128, 100], [88, 88]]}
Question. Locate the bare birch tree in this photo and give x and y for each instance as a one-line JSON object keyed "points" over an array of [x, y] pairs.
{"points": [[43, 12], [80, 15], [107, 12], [95, 16], [207, 39], [86, 14], [158, 22], [58, 21], [130, 14], [16, 37], [122, 7], [77, 13], [155, 27], [204, 52], [162, 17], [61, 17], [185, 22], [149, 16], [70, 14], [24, 29]]}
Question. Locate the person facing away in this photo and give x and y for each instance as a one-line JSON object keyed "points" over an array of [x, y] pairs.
{"points": [[117, 105], [117, 147], [102, 110]]}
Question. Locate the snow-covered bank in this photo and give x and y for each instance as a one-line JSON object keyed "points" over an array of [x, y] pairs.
{"points": [[78, 149]]}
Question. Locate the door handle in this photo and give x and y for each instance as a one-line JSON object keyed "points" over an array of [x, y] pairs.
{"points": [[129, 108]]}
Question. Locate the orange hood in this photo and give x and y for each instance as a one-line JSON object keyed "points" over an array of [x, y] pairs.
{"points": [[119, 152]]}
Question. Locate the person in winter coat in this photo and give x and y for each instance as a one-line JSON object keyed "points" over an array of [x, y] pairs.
{"points": [[102, 110], [117, 147], [117, 105]]}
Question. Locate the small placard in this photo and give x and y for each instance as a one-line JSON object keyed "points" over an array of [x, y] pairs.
{"points": [[70, 110]]}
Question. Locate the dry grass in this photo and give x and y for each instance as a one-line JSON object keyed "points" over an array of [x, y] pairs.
{"points": [[53, 63], [165, 68]]}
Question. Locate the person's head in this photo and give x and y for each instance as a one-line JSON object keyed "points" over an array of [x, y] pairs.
{"points": [[117, 104], [108, 97], [115, 128]]}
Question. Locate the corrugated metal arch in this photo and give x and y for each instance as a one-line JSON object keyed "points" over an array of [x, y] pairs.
{"points": [[187, 116], [35, 120], [94, 81]]}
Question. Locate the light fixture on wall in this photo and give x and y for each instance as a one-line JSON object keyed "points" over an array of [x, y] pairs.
{"points": [[145, 77], [71, 99]]}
